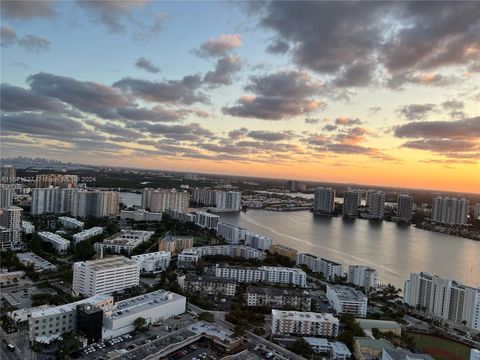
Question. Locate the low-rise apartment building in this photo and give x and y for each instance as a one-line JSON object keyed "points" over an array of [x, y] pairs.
{"points": [[347, 300], [210, 285], [304, 323], [60, 244], [278, 297]]}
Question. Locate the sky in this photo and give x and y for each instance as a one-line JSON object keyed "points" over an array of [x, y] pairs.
{"points": [[380, 93]]}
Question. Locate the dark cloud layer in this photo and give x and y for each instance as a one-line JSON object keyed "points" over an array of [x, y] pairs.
{"points": [[278, 96], [415, 111], [14, 98], [32, 43], [184, 91], [224, 70], [27, 10]]}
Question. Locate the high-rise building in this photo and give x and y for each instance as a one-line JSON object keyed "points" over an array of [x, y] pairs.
{"points": [[78, 202], [207, 197], [158, 200], [11, 229], [6, 196], [375, 204], [445, 299], [56, 180], [228, 200], [104, 276], [352, 199], [404, 208], [450, 211], [324, 200], [476, 211], [8, 174], [362, 275], [304, 323], [292, 185]]}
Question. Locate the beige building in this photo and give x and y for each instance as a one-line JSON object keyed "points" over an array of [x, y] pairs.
{"points": [[175, 244], [366, 348], [283, 250]]}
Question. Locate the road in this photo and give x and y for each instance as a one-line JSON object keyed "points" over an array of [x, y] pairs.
{"points": [[20, 344], [279, 352]]}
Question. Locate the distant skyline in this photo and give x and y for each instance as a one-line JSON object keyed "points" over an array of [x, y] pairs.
{"points": [[379, 93]]}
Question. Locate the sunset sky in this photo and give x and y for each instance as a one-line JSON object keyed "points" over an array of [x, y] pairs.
{"points": [[364, 92]]}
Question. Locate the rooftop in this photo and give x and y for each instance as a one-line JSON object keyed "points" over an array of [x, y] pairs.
{"points": [[143, 302], [379, 324], [275, 291], [107, 263], [54, 310], [288, 315], [316, 341], [374, 344], [404, 354], [206, 278], [345, 293], [212, 330]]}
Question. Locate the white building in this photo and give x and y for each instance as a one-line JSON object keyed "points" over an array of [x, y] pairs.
{"points": [[228, 200], [192, 255], [182, 216], [404, 208], [189, 257], [304, 323], [450, 211], [155, 261], [476, 211], [268, 274], [70, 222], [47, 323], [352, 199], [362, 275], [6, 196], [376, 204], [158, 200], [444, 299], [125, 241], [140, 215], [211, 285], [329, 269], [474, 354], [207, 197], [275, 297], [207, 220], [87, 234], [339, 351], [153, 307], [319, 345], [104, 276], [27, 227], [60, 244], [403, 354], [231, 233], [258, 241], [324, 200], [345, 299]]}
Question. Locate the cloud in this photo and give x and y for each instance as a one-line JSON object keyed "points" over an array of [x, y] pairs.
{"points": [[184, 91], [330, 127], [148, 30], [221, 46], [465, 128], [27, 10], [87, 96], [415, 111], [14, 98], [238, 133], [453, 105], [278, 96], [157, 113], [311, 121], [147, 65], [270, 135], [374, 109], [111, 13], [111, 128], [441, 145], [224, 70], [352, 42], [188, 132], [278, 47], [32, 43], [352, 136], [346, 121]]}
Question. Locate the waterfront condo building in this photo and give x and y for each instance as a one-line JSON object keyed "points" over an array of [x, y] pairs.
{"points": [[352, 199], [329, 269], [286, 251], [362, 275], [404, 208], [450, 211], [445, 299], [207, 220], [228, 200], [347, 300], [206, 197], [104, 276], [324, 200], [376, 204], [60, 180], [304, 323], [158, 200]]}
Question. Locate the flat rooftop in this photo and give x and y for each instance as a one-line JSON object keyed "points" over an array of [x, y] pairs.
{"points": [[39, 263], [379, 324], [275, 291], [108, 263], [345, 293], [309, 316], [212, 330], [143, 302], [54, 310]]}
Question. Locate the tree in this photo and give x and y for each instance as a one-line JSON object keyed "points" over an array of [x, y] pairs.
{"points": [[139, 323], [206, 316], [301, 347]]}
